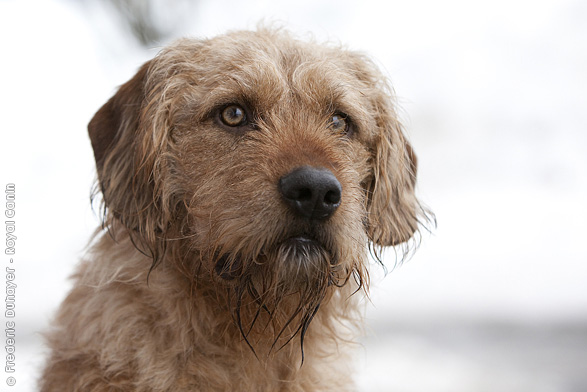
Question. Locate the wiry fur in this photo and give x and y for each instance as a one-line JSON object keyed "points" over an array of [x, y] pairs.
{"points": [[193, 285]]}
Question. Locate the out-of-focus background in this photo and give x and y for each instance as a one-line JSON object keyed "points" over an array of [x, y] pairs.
{"points": [[493, 98]]}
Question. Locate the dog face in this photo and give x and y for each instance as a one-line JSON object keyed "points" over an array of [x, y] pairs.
{"points": [[267, 164]]}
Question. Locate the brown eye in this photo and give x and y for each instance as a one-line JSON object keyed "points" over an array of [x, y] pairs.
{"points": [[233, 116], [340, 123]]}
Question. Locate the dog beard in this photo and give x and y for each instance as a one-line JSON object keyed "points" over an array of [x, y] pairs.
{"points": [[280, 290]]}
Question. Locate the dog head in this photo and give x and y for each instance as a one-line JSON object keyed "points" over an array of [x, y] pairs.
{"points": [[268, 163]]}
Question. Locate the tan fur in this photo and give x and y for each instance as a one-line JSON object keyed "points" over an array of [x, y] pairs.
{"points": [[183, 195]]}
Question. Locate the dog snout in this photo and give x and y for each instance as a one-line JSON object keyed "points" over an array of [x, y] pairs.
{"points": [[312, 193]]}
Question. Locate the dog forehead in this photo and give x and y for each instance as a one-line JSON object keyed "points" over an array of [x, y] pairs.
{"points": [[267, 68]]}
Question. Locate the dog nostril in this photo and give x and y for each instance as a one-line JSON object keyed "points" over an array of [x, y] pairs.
{"points": [[312, 193], [332, 197]]}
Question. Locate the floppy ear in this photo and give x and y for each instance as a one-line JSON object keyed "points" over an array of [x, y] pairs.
{"points": [[125, 161], [116, 119], [392, 206]]}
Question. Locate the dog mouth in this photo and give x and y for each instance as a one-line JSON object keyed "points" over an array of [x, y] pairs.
{"points": [[296, 254], [303, 243]]}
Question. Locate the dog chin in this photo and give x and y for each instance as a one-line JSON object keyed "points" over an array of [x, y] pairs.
{"points": [[298, 260], [302, 259]]}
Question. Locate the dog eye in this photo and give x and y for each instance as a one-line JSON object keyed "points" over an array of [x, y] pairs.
{"points": [[233, 116], [340, 123]]}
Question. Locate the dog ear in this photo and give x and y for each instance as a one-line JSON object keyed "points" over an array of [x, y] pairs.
{"points": [[125, 161], [392, 207], [116, 119]]}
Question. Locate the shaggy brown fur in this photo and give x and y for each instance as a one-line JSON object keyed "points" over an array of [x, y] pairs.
{"points": [[208, 275]]}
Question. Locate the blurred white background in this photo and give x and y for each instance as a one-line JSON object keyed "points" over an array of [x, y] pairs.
{"points": [[493, 98]]}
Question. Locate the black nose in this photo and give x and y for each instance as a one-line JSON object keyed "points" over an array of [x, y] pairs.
{"points": [[312, 193]]}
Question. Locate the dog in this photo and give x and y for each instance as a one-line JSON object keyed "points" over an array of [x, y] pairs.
{"points": [[245, 179]]}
